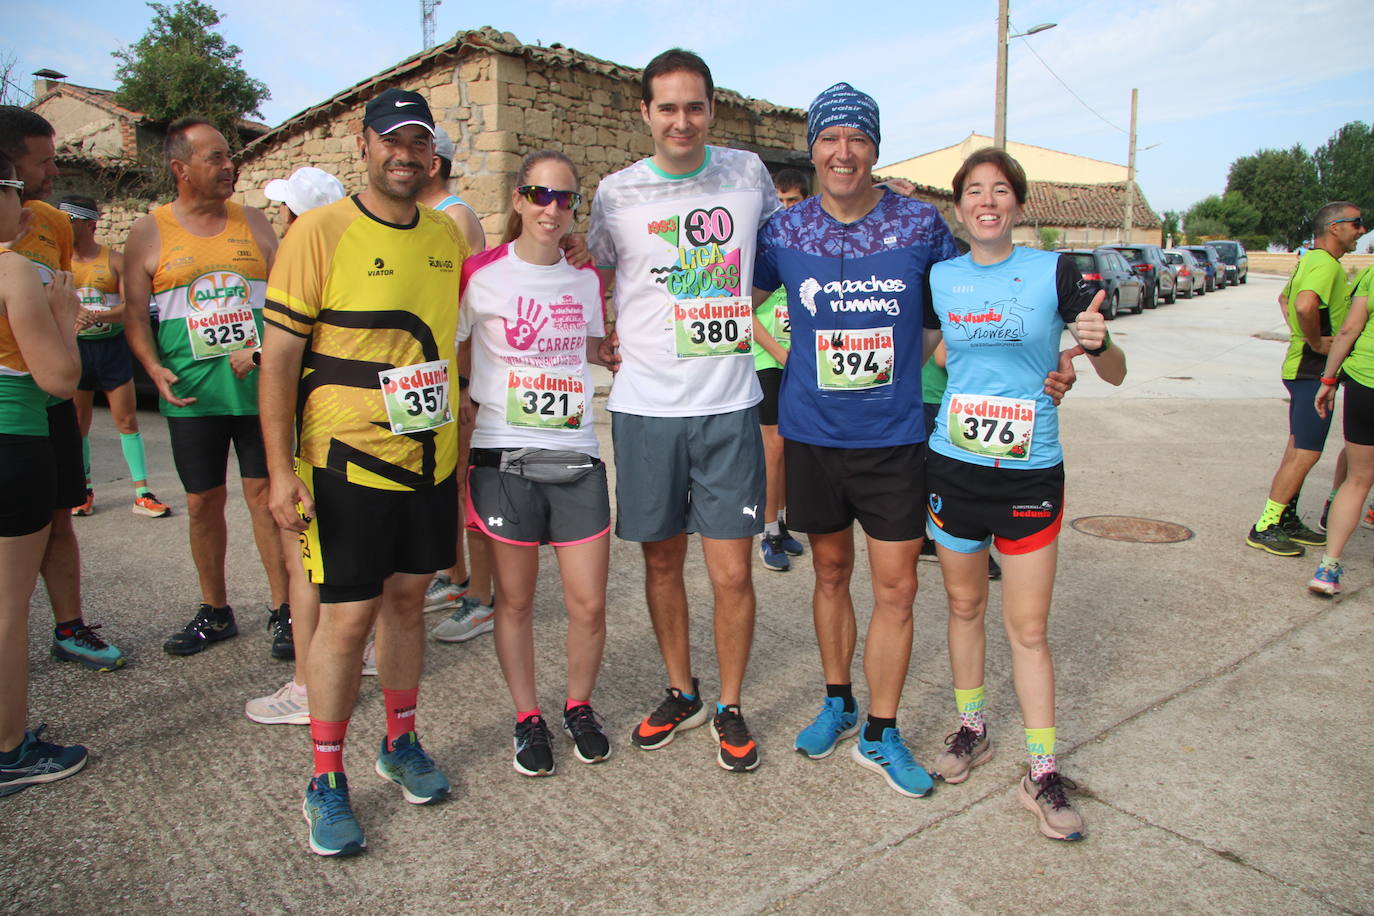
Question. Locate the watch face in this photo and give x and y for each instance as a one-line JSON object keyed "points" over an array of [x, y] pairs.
{"points": [[257, 357]]}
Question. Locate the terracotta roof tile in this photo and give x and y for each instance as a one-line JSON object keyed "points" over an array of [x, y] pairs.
{"points": [[1051, 203]]}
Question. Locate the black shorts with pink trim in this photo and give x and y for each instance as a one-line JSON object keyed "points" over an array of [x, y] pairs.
{"points": [[514, 509], [971, 506]]}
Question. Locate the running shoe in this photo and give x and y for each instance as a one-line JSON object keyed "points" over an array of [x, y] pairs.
{"points": [[151, 506], [994, 570], [964, 750], [1327, 580], [406, 764], [1273, 540], [210, 625], [889, 756], [533, 747], [470, 620], [1321, 522], [1297, 532], [283, 640], [1048, 800], [673, 714], [443, 593], [928, 551], [590, 744], [831, 726], [285, 707], [85, 647], [39, 761], [738, 751], [87, 507], [370, 657], [334, 831], [790, 545], [772, 554], [1368, 520]]}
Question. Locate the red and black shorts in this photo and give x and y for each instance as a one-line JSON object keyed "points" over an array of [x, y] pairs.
{"points": [[971, 506]]}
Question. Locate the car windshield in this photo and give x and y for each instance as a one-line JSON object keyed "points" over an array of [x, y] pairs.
{"points": [[1227, 251], [1134, 255], [1201, 255], [1173, 257], [1084, 262]]}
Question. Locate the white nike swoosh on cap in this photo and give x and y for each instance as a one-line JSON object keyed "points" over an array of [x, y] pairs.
{"points": [[404, 104]]}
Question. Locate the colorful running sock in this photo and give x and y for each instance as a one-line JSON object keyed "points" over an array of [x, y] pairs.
{"points": [[844, 692], [400, 712], [67, 628], [1328, 560], [328, 739], [1270, 516], [970, 706], [1040, 746], [573, 704], [527, 714], [689, 697], [86, 458], [873, 729], [135, 457], [772, 529]]}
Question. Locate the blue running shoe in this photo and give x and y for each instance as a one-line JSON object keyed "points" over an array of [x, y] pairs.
{"points": [[889, 756], [407, 765], [82, 645], [334, 831], [832, 726], [1326, 581], [772, 554], [790, 545], [39, 761]]}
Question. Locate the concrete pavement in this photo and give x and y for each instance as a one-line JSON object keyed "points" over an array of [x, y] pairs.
{"points": [[1210, 709]]}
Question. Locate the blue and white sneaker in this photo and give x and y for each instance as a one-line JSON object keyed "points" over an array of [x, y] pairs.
{"points": [[39, 761], [407, 765], [889, 756], [334, 831], [790, 545], [85, 647], [1326, 581], [832, 725], [772, 554]]}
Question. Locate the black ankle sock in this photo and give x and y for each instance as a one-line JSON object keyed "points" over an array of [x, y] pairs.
{"points": [[67, 627], [846, 691], [873, 730]]}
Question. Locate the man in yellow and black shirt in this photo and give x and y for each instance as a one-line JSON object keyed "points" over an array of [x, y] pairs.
{"points": [[357, 363]]}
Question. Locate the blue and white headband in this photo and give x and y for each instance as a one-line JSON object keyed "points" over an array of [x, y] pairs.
{"points": [[843, 106], [77, 212]]}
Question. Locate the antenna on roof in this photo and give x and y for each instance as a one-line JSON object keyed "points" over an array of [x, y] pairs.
{"points": [[427, 20]]}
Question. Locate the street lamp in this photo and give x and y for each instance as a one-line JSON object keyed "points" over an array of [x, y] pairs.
{"points": [[999, 131]]}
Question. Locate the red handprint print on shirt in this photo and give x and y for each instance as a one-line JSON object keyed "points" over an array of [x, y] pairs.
{"points": [[522, 336]]}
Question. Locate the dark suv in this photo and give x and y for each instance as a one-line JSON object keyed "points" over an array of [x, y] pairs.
{"points": [[1232, 254], [1148, 262]]}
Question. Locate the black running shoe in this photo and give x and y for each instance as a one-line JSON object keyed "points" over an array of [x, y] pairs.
{"points": [[738, 753], [1297, 532], [533, 748], [674, 713], [210, 625], [994, 570], [1273, 540], [589, 741], [283, 640]]}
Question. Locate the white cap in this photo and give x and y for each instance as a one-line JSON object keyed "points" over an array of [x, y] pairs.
{"points": [[306, 189], [443, 144]]}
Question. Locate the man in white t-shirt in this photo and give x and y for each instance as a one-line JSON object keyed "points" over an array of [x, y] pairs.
{"points": [[678, 230]]}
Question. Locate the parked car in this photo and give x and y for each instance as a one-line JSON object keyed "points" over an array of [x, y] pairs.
{"points": [[1107, 270], [1190, 276], [1235, 260], [1210, 262], [1148, 261]]}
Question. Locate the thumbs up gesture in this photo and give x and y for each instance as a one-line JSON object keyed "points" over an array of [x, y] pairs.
{"points": [[1090, 328]]}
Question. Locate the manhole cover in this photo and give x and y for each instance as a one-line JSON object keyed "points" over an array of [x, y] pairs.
{"points": [[1129, 528]]}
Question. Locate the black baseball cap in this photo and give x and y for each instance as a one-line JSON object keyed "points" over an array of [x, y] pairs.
{"points": [[396, 108]]}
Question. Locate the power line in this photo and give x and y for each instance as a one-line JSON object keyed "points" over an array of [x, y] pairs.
{"points": [[1068, 89]]}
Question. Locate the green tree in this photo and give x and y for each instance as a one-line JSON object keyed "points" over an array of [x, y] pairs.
{"points": [[1282, 186], [1168, 229], [1230, 215], [1049, 238], [1345, 165], [181, 67]]}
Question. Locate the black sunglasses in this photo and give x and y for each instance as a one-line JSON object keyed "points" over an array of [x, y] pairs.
{"points": [[541, 196]]}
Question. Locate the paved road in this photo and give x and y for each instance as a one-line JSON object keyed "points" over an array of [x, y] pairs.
{"points": [[1210, 709]]}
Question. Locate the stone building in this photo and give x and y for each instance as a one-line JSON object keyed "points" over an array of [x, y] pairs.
{"points": [[499, 100]]}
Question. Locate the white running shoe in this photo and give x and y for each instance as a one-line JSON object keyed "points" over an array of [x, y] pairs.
{"points": [[471, 619], [285, 707], [443, 594]]}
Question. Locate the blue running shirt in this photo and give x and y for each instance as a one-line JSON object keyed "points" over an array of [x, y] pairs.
{"points": [[858, 297], [1002, 324]]}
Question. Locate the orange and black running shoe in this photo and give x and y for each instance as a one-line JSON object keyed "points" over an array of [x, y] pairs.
{"points": [[738, 753], [674, 714]]}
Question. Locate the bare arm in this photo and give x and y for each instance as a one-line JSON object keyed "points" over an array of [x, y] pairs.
{"points": [[282, 354], [140, 264], [1090, 330], [263, 234], [470, 226], [115, 315], [1341, 345], [42, 322]]}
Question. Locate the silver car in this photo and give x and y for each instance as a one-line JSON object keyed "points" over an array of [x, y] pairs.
{"points": [[1189, 274]]}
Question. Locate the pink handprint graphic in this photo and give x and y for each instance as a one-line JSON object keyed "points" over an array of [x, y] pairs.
{"points": [[522, 336]]}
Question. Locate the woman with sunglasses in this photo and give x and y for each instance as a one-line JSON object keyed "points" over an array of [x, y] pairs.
{"points": [[995, 469], [38, 358], [533, 323]]}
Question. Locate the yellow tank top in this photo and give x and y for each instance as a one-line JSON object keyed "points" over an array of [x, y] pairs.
{"points": [[97, 286]]}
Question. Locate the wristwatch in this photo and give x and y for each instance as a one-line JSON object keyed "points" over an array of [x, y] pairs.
{"points": [[257, 357]]}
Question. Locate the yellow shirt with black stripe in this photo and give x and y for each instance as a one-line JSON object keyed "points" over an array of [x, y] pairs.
{"points": [[368, 296]]}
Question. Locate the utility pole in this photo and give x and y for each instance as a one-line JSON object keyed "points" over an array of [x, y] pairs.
{"points": [[427, 20], [999, 129], [1127, 218]]}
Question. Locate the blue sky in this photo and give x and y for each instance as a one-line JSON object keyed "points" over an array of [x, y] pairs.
{"points": [[1218, 79]]}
